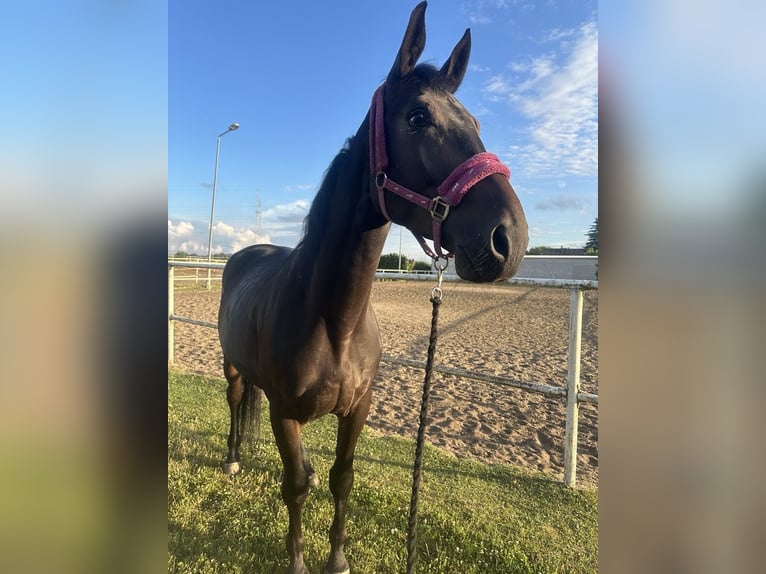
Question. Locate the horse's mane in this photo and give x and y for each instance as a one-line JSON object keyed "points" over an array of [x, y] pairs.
{"points": [[316, 220]]}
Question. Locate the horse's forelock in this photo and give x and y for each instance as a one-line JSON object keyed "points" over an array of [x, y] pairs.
{"points": [[430, 76]]}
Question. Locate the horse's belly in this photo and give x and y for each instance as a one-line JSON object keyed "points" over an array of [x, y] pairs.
{"points": [[238, 346]]}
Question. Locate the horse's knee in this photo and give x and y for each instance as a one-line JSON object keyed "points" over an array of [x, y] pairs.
{"points": [[313, 479], [341, 478], [295, 489]]}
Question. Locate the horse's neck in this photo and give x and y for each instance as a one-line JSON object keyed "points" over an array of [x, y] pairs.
{"points": [[344, 259], [344, 283]]}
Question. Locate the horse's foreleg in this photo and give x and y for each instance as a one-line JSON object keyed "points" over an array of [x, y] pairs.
{"points": [[234, 393], [312, 476], [295, 485], [341, 480]]}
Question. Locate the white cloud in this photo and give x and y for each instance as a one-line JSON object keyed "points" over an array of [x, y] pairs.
{"points": [[479, 18], [229, 239], [292, 212], [498, 88], [483, 11], [557, 34], [284, 222], [563, 203], [180, 229], [281, 224], [481, 111], [183, 236], [479, 69], [191, 238], [560, 98]]}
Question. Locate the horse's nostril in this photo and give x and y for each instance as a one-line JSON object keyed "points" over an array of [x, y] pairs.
{"points": [[500, 243]]}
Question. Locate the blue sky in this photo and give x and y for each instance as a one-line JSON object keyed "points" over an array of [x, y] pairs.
{"points": [[84, 112], [299, 82]]}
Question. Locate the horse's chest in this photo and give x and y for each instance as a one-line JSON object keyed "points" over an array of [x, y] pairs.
{"points": [[352, 384], [324, 382]]}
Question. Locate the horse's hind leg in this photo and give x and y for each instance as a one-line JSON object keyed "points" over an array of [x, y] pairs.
{"points": [[234, 394], [341, 480]]}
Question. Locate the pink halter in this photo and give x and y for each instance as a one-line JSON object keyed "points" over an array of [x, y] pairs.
{"points": [[449, 194]]}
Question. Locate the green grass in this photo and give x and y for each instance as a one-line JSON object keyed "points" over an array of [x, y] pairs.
{"points": [[473, 517]]}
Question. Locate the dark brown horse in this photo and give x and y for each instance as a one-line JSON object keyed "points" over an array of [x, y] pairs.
{"points": [[297, 323]]}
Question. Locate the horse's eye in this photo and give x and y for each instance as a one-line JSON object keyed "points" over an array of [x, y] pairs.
{"points": [[418, 118]]}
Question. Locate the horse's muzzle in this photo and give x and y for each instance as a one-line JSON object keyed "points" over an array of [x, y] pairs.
{"points": [[496, 258]]}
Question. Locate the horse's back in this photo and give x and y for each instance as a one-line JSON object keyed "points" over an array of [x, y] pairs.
{"points": [[252, 263]]}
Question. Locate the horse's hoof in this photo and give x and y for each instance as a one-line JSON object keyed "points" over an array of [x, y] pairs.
{"points": [[231, 468], [337, 564], [313, 480]]}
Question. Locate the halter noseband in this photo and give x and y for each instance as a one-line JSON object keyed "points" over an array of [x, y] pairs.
{"points": [[449, 194]]}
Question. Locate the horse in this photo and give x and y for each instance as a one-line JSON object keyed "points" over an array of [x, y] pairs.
{"points": [[297, 324]]}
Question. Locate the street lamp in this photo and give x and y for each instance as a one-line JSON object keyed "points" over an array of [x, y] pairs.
{"points": [[231, 128]]}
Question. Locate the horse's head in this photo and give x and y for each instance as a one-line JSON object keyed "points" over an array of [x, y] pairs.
{"points": [[427, 137]]}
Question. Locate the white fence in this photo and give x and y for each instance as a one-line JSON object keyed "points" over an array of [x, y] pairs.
{"points": [[572, 391]]}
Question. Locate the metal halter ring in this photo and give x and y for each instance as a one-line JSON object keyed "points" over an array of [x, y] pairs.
{"points": [[439, 208], [440, 268], [436, 292]]}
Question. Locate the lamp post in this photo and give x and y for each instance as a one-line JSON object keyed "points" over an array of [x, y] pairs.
{"points": [[231, 128]]}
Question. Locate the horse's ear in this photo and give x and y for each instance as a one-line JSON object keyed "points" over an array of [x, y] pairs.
{"points": [[412, 45], [453, 70]]}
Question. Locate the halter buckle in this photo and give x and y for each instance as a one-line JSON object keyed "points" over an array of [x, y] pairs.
{"points": [[439, 209]]}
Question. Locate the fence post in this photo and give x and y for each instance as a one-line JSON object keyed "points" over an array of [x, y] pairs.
{"points": [[573, 386], [171, 312]]}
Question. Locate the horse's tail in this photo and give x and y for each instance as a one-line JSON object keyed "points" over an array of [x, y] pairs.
{"points": [[250, 413]]}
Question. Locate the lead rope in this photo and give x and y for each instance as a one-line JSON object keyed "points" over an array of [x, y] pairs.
{"points": [[436, 299]]}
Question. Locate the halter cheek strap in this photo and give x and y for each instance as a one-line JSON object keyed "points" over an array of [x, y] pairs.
{"points": [[449, 194]]}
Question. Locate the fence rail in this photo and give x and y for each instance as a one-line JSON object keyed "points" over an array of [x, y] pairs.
{"points": [[572, 391]]}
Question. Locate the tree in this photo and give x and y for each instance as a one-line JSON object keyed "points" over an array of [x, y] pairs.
{"points": [[591, 246], [391, 261]]}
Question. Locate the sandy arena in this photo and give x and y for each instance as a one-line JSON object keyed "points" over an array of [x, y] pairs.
{"points": [[519, 333]]}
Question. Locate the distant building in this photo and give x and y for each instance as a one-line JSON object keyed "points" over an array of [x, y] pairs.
{"points": [[567, 267], [561, 251], [559, 267]]}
